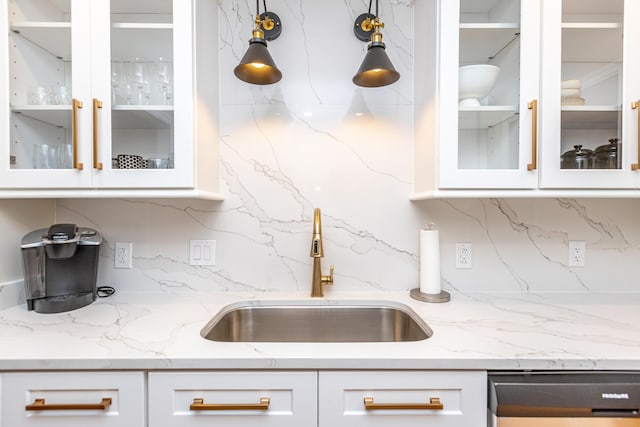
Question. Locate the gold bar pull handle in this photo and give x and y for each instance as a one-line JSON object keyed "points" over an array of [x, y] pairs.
{"points": [[434, 404], [96, 106], [199, 405], [636, 106], [75, 106], [533, 106], [41, 405]]}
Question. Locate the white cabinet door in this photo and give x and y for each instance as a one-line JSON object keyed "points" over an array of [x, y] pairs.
{"points": [[591, 47], [45, 72], [488, 77], [402, 398], [145, 89], [69, 399], [275, 399]]}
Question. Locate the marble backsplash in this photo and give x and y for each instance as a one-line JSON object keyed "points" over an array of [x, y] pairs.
{"points": [[518, 245], [316, 140]]}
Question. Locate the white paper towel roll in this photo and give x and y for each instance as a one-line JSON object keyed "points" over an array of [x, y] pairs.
{"points": [[430, 261]]}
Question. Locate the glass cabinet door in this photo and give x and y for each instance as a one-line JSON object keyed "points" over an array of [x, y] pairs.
{"points": [[496, 76], [585, 89], [43, 92], [142, 94], [142, 118]]}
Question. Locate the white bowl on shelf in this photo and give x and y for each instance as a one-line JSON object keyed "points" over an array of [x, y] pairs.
{"points": [[475, 82]]}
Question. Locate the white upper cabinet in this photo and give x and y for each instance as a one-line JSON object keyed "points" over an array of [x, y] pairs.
{"points": [[526, 95], [487, 78], [102, 97], [591, 48]]}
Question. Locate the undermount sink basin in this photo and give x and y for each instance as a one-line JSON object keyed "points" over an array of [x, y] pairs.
{"points": [[316, 321]]}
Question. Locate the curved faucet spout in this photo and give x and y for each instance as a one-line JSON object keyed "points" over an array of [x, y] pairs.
{"points": [[317, 279], [316, 240]]}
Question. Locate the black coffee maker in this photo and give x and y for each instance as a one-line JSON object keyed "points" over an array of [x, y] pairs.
{"points": [[60, 267]]}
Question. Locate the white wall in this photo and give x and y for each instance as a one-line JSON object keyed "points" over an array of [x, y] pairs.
{"points": [[17, 218]]}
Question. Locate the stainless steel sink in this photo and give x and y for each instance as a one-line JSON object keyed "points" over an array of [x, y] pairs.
{"points": [[321, 321]]}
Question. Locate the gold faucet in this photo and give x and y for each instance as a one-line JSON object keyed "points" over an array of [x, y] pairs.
{"points": [[317, 253]]}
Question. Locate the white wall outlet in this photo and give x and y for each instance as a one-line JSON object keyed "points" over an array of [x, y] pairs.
{"points": [[577, 253], [464, 255], [123, 254], [202, 252]]}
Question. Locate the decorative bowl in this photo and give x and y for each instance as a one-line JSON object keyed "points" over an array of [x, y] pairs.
{"points": [[475, 82]]}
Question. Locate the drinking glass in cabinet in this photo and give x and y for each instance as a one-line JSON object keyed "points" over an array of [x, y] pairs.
{"points": [[165, 80], [52, 156], [591, 73]]}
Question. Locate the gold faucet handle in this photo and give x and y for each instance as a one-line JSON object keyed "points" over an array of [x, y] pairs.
{"points": [[328, 280]]}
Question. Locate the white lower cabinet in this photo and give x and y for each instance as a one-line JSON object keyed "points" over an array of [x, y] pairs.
{"points": [[234, 399], [402, 398], [244, 398], [72, 399], [323, 399]]}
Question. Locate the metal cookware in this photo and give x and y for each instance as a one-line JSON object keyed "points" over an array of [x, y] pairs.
{"points": [[606, 156], [578, 158]]}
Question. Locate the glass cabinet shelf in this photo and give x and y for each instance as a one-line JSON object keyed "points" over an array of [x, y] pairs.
{"points": [[55, 115], [142, 117], [124, 116], [485, 117], [54, 37], [590, 117], [481, 42]]}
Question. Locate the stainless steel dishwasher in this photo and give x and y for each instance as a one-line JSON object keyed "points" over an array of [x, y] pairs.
{"points": [[564, 399]]}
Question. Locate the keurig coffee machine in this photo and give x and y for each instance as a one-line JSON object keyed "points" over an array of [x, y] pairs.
{"points": [[60, 267]]}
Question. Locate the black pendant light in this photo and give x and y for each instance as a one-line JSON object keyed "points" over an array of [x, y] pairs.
{"points": [[376, 69], [257, 65]]}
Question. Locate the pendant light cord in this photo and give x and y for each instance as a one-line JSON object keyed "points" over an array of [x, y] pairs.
{"points": [[264, 3], [370, 4]]}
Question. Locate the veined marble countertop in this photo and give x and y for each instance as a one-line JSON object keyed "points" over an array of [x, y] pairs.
{"points": [[473, 331]]}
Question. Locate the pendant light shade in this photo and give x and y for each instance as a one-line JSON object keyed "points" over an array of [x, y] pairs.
{"points": [[376, 69], [257, 66]]}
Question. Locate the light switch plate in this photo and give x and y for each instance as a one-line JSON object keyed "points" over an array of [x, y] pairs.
{"points": [[202, 252]]}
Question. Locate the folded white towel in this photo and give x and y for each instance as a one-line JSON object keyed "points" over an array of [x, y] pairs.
{"points": [[570, 93], [570, 84], [572, 102]]}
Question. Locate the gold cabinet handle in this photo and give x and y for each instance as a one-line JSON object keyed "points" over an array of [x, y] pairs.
{"points": [[636, 106], [533, 106], [75, 106], [199, 405], [40, 405], [434, 403], [96, 106]]}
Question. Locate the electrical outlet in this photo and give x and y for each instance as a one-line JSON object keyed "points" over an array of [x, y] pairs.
{"points": [[577, 253], [202, 252], [123, 254], [463, 255]]}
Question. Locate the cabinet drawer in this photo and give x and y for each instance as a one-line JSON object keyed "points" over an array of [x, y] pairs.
{"points": [[68, 399], [288, 399], [402, 398]]}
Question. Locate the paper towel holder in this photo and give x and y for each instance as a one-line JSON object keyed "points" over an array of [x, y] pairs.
{"points": [[443, 296], [430, 253]]}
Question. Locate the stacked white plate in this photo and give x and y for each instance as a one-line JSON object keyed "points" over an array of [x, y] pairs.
{"points": [[570, 93]]}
